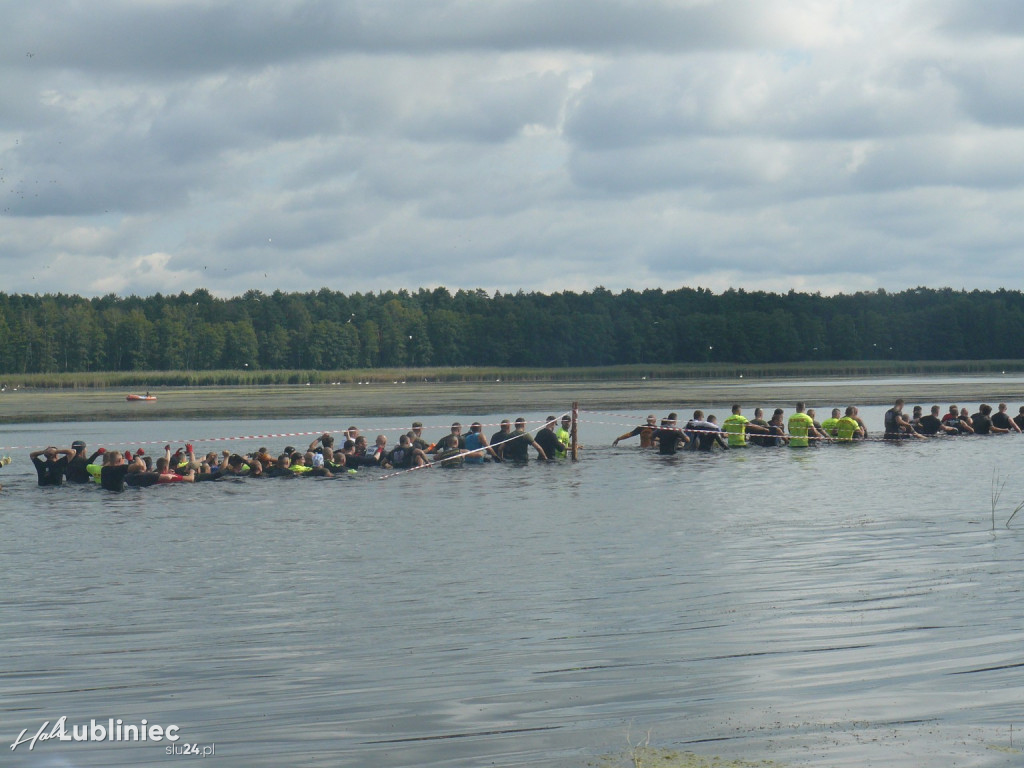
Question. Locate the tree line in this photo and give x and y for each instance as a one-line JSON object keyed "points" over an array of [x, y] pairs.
{"points": [[329, 330]]}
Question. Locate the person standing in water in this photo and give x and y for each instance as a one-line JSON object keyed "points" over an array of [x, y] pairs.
{"points": [[645, 431], [737, 425], [802, 429], [50, 470], [897, 426]]}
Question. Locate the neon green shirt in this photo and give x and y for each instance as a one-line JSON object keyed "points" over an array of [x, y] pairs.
{"points": [[846, 428], [736, 428], [830, 425], [565, 439], [799, 424]]}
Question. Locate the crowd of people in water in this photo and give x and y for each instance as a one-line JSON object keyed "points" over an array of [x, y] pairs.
{"points": [[803, 430], [115, 470]]}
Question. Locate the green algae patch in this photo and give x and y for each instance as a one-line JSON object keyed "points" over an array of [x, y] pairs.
{"points": [[649, 757]]}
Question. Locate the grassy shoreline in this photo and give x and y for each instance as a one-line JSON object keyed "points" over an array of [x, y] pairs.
{"points": [[499, 395]]}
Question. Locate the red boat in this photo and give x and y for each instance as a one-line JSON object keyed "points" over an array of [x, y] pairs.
{"points": [[145, 397]]}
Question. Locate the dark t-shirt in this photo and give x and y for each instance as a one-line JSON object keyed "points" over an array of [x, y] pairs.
{"points": [[438, 445], [776, 435], [76, 471], [982, 424], [112, 477], [549, 443], [499, 437], [703, 435], [141, 479], [361, 461], [336, 469], [517, 449], [1001, 419], [50, 472], [276, 471], [707, 442], [401, 458], [929, 425], [668, 440], [893, 429], [952, 421], [760, 438]]}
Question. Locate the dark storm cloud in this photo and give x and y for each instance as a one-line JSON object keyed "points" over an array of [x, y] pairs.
{"points": [[984, 18], [165, 38]]}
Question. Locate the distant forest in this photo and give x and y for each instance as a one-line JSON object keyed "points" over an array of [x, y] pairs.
{"points": [[328, 330]]}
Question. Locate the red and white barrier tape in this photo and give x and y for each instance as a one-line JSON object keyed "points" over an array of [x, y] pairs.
{"points": [[364, 432]]}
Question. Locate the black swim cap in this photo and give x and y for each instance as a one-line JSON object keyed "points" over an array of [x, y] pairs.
{"points": [[78, 444]]}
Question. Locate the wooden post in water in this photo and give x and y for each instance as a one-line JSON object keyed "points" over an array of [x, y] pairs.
{"points": [[575, 447]]}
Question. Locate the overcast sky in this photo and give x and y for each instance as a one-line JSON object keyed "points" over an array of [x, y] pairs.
{"points": [[819, 145]]}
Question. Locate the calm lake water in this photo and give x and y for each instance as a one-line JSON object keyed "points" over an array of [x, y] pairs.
{"points": [[843, 606]]}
